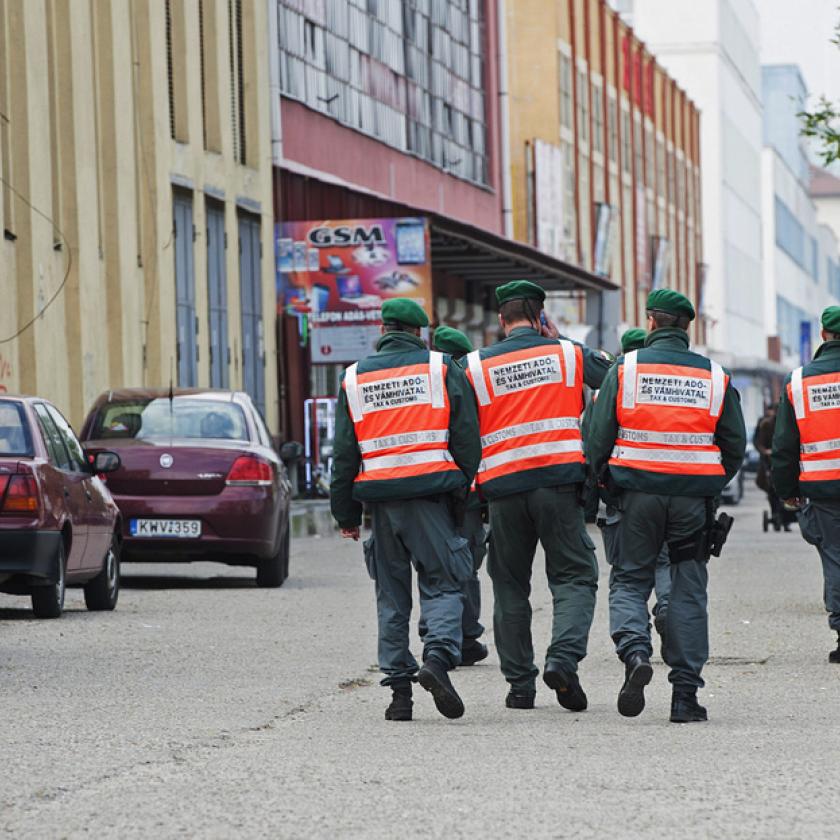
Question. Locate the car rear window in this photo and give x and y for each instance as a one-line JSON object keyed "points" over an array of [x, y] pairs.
{"points": [[14, 430], [184, 417]]}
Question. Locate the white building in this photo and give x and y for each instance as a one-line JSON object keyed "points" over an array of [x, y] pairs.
{"points": [[711, 48]]}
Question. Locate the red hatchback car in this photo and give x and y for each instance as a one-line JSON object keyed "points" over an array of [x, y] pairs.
{"points": [[58, 522], [199, 478]]}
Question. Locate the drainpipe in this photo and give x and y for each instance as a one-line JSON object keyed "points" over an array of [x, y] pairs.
{"points": [[504, 110], [274, 82]]}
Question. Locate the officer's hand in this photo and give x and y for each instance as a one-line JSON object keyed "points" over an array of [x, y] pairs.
{"points": [[350, 533], [547, 329], [794, 503]]}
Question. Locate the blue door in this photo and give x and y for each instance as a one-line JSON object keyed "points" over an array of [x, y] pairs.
{"points": [[250, 285], [217, 295], [187, 347]]}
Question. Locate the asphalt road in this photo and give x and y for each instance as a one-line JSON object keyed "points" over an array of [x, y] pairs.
{"points": [[204, 707]]}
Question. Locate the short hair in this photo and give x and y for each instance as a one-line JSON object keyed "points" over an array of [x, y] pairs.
{"points": [[832, 336], [521, 309], [398, 326], [668, 319]]}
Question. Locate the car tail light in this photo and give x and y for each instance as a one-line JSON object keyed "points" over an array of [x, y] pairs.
{"points": [[21, 496], [248, 471]]}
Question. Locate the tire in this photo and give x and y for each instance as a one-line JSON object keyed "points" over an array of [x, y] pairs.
{"points": [[272, 572], [48, 601], [765, 521], [102, 592]]}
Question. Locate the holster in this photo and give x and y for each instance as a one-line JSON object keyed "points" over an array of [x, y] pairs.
{"points": [[705, 543], [457, 501]]}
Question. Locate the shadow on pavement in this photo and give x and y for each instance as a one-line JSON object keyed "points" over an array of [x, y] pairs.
{"points": [[151, 582]]}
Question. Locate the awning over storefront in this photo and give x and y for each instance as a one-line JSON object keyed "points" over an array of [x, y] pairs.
{"points": [[488, 259]]}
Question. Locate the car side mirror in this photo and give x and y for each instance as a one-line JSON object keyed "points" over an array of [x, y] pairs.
{"points": [[106, 462], [291, 450]]}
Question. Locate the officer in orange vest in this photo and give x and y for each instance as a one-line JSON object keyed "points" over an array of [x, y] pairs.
{"points": [[806, 458], [632, 339], [529, 389], [406, 442], [668, 424], [449, 340]]}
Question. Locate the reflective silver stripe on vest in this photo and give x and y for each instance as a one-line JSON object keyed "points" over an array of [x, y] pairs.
{"points": [[569, 361], [798, 394], [520, 453], [409, 459], [718, 389], [478, 381], [672, 456], [551, 424], [819, 466], [628, 392], [436, 371], [351, 388], [820, 446], [404, 439], [667, 438]]}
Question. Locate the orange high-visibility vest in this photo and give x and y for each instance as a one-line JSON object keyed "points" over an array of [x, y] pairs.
{"points": [[667, 416], [816, 406], [401, 418], [529, 407]]}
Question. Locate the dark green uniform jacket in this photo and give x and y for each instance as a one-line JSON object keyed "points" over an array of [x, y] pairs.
{"points": [[594, 368], [785, 456], [399, 349], [666, 347]]}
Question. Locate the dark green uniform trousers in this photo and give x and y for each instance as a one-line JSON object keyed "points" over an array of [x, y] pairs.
{"points": [[819, 522], [553, 517], [647, 522], [418, 532], [662, 578]]}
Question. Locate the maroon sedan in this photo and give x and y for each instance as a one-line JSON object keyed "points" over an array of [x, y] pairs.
{"points": [[58, 523], [199, 478]]}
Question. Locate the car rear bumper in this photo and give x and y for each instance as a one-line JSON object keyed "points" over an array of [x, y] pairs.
{"points": [[31, 553], [239, 526]]}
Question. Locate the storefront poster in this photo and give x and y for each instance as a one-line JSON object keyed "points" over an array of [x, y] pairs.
{"points": [[339, 272]]}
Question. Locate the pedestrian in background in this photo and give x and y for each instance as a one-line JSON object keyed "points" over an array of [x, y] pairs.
{"points": [[529, 388], [406, 443], [806, 458], [668, 424], [456, 344], [632, 339]]}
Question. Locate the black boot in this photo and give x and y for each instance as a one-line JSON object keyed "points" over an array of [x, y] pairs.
{"points": [[401, 703], [473, 651], [637, 674], [685, 708], [434, 678], [567, 686], [520, 699], [834, 656]]}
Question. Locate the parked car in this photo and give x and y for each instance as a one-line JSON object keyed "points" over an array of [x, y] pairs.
{"points": [[199, 478], [59, 525]]}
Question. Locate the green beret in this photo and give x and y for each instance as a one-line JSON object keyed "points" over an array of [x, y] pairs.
{"points": [[519, 290], [633, 339], [674, 303], [452, 341], [404, 311], [831, 319]]}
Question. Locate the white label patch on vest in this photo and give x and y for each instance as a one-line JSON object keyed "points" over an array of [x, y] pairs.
{"points": [[662, 389], [821, 397], [395, 393], [529, 373]]}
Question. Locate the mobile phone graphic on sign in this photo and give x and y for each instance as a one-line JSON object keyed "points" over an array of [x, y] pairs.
{"points": [[411, 242], [320, 297], [299, 256], [285, 262]]}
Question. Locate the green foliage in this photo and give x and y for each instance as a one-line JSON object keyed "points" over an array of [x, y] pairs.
{"points": [[823, 122]]}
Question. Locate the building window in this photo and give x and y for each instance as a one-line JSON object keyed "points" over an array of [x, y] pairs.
{"points": [[583, 106], [660, 167], [409, 74], [176, 71], [566, 119], [612, 129], [626, 141], [790, 236], [237, 81], [815, 260], [597, 119]]}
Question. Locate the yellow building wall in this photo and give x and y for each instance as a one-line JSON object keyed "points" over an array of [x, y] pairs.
{"points": [[89, 165]]}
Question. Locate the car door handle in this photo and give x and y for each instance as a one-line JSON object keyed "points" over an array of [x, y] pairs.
{"points": [[66, 493], [89, 496]]}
